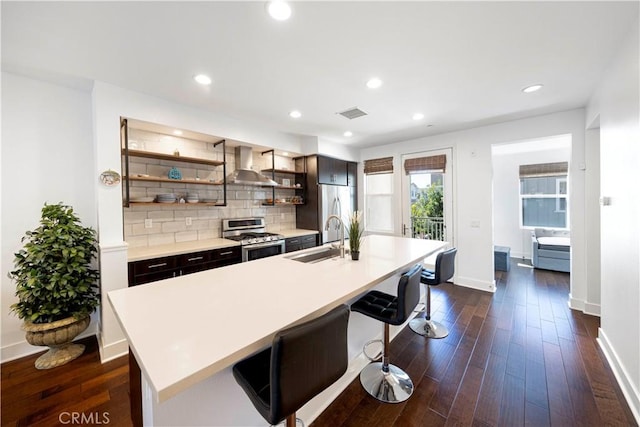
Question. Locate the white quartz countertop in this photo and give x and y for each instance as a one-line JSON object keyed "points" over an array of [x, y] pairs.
{"points": [[185, 329], [148, 252], [296, 232]]}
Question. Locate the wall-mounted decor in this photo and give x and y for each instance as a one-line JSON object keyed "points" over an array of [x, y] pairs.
{"points": [[110, 178]]}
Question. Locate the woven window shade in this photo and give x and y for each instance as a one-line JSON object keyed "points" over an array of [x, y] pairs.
{"points": [[544, 169], [374, 166], [425, 164]]}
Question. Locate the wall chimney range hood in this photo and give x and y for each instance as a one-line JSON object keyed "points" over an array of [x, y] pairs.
{"points": [[243, 174]]}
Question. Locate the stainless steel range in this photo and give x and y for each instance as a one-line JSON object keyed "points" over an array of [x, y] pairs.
{"points": [[254, 240]]}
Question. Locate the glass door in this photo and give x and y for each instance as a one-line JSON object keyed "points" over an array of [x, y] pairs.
{"points": [[427, 202]]}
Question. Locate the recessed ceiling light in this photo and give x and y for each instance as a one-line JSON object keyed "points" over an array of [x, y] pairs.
{"points": [[279, 10], [202, 79], [177, 132], [417, 116], [348, 134], [532, 88], [295, 114], [284, 153], [374, 83]]}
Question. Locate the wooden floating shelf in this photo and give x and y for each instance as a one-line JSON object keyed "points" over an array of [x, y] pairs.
{"points": [[280, 171], [283, 187], [173, 204], [174, 181], [162, 156], [280, 204]]}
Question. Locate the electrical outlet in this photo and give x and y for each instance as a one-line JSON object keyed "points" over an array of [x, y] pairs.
{"points": [[148, 223], [187, 220], [475, 223]]}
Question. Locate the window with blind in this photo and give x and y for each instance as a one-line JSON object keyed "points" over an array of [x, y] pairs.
{"points": [[379, 195], [544, 195]]}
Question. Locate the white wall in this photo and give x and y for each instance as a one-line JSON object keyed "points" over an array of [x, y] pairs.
{"points": [[47, 156], [616, 102], [472, 175], [506, 188]]}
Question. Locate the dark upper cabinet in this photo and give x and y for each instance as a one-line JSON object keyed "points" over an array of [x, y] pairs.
{"points": [[332, 171], [352, 174]]}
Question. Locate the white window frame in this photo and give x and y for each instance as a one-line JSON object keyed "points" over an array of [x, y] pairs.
{"points": [[367, 203], [556, 196]]}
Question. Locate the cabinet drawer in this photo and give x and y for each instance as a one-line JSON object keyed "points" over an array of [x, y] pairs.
{"points": [[194, 258], [293, 244], [226, 254], [154, 265]]}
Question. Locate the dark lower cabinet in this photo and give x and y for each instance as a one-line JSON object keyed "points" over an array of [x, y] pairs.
{"points": [[303, 242], [152, 270]]}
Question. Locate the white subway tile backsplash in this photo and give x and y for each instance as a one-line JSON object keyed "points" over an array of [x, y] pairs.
{"points": [[134, 217], [137, 241], [161, 239], [186, 236], [173, 226], [161, 215]]}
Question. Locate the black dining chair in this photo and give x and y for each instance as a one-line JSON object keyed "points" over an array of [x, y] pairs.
{"points": [[302, 361]]}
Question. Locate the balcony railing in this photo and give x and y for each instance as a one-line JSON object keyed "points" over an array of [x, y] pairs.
{"points": [[427, 228]]}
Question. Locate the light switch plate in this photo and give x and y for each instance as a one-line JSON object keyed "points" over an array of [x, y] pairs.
{"points": [[187, 220]]}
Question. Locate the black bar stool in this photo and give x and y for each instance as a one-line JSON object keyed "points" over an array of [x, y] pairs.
{"points": [[302, 361], [384, 381], [445, 267]]}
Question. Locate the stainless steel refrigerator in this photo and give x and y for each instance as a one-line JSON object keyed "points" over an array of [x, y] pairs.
{"points": [[334, 200]]}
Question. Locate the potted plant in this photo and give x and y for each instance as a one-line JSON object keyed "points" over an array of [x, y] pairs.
{"points": [[56, 286], [356, 231]]}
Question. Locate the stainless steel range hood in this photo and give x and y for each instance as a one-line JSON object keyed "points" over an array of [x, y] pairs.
{"points": [[244, 174]]}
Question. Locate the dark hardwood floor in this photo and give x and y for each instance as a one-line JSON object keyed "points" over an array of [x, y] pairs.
{"points": [[517, 357], [93, 393], [514, 358]]}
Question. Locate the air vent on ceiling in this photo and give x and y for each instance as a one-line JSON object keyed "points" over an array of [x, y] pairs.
{"points": [[353, 113]]}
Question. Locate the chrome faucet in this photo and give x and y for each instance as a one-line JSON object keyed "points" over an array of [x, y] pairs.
{"points": [[326, 227]]}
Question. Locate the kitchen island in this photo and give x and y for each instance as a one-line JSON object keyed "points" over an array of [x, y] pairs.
{"points": [[187, 332]]}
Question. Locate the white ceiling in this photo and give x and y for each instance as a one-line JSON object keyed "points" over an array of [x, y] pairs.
{"points": [[461, 64]]}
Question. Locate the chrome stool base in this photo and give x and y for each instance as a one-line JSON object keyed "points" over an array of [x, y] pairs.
{"points": [[428, 328], [394, 386]]}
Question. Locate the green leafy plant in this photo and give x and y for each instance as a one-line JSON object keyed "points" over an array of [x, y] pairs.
{"points": [[355, 231], [53, 274]]}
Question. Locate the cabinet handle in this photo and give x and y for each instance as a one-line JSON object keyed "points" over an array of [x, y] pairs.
{"points": [[157, 265], [294, 241], [195, 258], [226, 253]]}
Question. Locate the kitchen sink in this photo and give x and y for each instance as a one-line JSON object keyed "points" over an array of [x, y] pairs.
{"points": [[315, 255]]}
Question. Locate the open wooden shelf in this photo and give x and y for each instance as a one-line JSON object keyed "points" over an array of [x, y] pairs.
{"points": [[174, 181], [173, 204], [280, 171], [281, 204], [162, 156], [283, 187]]}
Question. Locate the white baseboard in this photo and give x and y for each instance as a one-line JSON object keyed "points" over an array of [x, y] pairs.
{"points": [[480, 285], [584, 306], [592, 309], [23, 348], [631, 393], [113, 350]]}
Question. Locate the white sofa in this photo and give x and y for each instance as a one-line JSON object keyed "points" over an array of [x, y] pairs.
{"points": [[551, 249]]}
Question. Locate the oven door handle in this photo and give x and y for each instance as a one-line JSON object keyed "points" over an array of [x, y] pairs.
{"points": [[264, 245]]}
